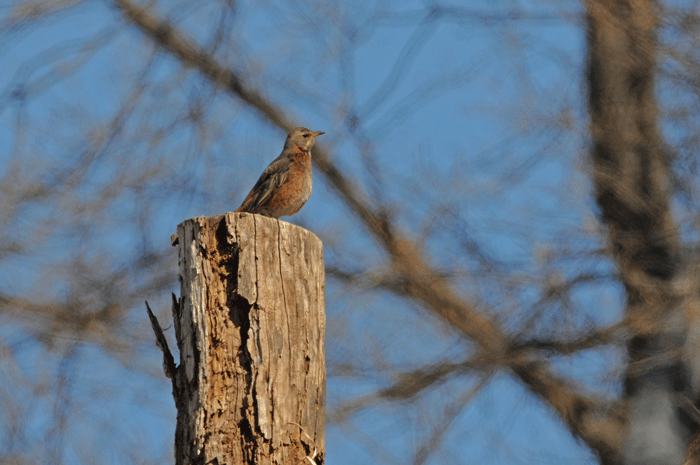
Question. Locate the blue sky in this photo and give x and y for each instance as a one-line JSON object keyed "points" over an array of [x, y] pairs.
{"points": [[479, 116]]}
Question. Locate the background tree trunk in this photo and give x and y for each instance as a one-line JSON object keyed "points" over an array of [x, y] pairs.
{"points": [[632, 178], [250, 325]]}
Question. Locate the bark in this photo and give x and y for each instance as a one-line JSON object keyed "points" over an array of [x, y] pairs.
{"points": [[250, 325], [631, 175]]}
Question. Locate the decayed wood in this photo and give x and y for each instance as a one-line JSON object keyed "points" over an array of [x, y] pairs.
{"points": [[250, 325], [169, 367]]}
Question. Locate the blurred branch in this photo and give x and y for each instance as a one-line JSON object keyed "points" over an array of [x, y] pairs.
{"points": [[408, 384], [455, 14], [27, 12], [411, 383], [432, 442], [425, 92], [92, 307], [612, 335], [584, 416], [407, 55], [46, 69], [615, 334], [191, 54]]}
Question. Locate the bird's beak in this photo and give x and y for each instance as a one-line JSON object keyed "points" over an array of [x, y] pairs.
{"points": [[318, 133]]}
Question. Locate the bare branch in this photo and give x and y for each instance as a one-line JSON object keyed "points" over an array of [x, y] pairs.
{"points": [[614, 334], [582, 415], [455, 408]]}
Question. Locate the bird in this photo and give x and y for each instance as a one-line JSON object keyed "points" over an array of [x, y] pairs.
{"points": [[285, 185]]}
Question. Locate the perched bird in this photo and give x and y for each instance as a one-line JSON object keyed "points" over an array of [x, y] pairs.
{"points": [[285, 185]]}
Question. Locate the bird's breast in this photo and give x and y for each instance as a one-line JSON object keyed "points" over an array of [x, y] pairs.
{"points": [[301, 176], [294, 193]]}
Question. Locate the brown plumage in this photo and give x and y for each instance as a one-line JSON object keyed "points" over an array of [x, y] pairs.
{"points": [[285, 185]]}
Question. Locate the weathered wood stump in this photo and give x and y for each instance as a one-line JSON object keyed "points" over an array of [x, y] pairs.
{"points": [[250, 326]]}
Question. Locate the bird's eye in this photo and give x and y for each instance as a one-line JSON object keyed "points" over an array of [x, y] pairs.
{"points": [[305, 135]]}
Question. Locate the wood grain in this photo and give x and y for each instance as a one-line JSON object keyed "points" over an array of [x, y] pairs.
{"points": [[250, 329]]}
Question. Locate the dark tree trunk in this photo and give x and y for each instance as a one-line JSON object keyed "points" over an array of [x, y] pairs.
{"points": [[631, 177]]}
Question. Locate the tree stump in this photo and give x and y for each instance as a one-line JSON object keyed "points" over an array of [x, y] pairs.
{"points": [[250, 324]]}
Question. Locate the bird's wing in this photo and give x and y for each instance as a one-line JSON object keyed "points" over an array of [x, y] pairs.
{"points": [[270, 180]]}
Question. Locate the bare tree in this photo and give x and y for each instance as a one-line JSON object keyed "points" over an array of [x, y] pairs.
{"points": [[493, 230]]}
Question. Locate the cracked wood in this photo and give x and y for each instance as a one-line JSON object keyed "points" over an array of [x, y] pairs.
{"points": [[250, 329]]}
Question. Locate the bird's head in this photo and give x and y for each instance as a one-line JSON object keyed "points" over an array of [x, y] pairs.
{"points": [[302, 138]]}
